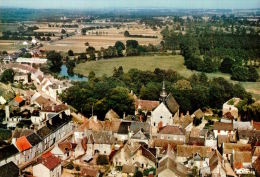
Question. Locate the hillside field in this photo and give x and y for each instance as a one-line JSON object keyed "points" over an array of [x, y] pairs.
{"points": [[149, 63]]}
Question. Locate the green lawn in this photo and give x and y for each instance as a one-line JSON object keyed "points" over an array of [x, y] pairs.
{"points": [[145, 63], [140, 62]]}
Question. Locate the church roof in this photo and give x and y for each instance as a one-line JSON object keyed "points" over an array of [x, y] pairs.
{"points": [[171, 104]]}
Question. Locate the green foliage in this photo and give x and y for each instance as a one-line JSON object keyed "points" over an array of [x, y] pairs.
{"points": [[120, 46], [70, 53], [54, 61], [63, 31], [226, 65], [102, 160], [240, 73], [147, 171], [7, 76], [27, 55], [138, 174], [5, 134], [252, 74]]}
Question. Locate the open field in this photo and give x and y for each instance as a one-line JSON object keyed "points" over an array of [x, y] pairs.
{"points": [[8, 27], [107, 38], [144, 63], [11, 45], [140, 62]]}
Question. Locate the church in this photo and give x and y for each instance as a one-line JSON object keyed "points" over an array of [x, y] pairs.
{"points": [[166, 112]]}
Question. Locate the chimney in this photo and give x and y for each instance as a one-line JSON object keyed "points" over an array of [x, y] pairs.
{"points": [[95, 118], [132, 93], [52, 108], [188, 113], [7, 113], [50, 121], [181, 115], [124, 115]]}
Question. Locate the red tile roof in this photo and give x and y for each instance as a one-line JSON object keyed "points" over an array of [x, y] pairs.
{"points": [[55, 108], [89, 172], [256, 125], [174, 130], [50, 161], [47, 154], [18, 99], [146, 105], [223, 126], [23, 144]]}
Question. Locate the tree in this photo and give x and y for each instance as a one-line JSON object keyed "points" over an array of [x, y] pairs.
{"points": [[54, 61], [27, 55], [120, 101], [7, 76], [102, 160], [252, 74], [120, 46], [63, 31], [126, 34], [83, 31], [70, 53], [226, 65], [131, 44], [182, 85], [151, 91], [239, 73], [91, 75]]}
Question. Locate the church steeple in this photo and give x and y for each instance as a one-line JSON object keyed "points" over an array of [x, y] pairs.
{"points": [[163, 93]]}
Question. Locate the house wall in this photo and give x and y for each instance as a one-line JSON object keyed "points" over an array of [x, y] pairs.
{"points": [[222, 132], [180, 138], [166, 173], [161, 114], [140, 159], [211, 143], [40, 170]]}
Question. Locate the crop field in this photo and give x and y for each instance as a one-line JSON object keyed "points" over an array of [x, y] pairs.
{"points": [[149, 63], [10, 45], [105, 38]]}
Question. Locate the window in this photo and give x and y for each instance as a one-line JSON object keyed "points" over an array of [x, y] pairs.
{"points": [[154, 124], [161, 117]]}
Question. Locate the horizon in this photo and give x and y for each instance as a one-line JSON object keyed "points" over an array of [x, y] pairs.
{"points": [[134, 4]]}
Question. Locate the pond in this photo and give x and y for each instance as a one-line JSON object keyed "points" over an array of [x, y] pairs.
{"points": [[74, 77]]}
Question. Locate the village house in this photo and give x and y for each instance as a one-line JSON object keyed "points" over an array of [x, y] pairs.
{"points": [[21, 77], [111, 115], [221, 128], [242, 162], [143, 158], [166, 112], [120, 156], [48, 166], [18, 101], [29, 147], [192, 156], [100, 142], [210, 140], [63, 150], [9, 154], [230, 107], [146, 106], [170, 132], [198, 114], [229, 148]]}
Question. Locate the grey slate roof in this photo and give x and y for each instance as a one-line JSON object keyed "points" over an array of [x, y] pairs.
{"points": [[8, 151], [9, 170], [171, 104], [33, 139]]}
